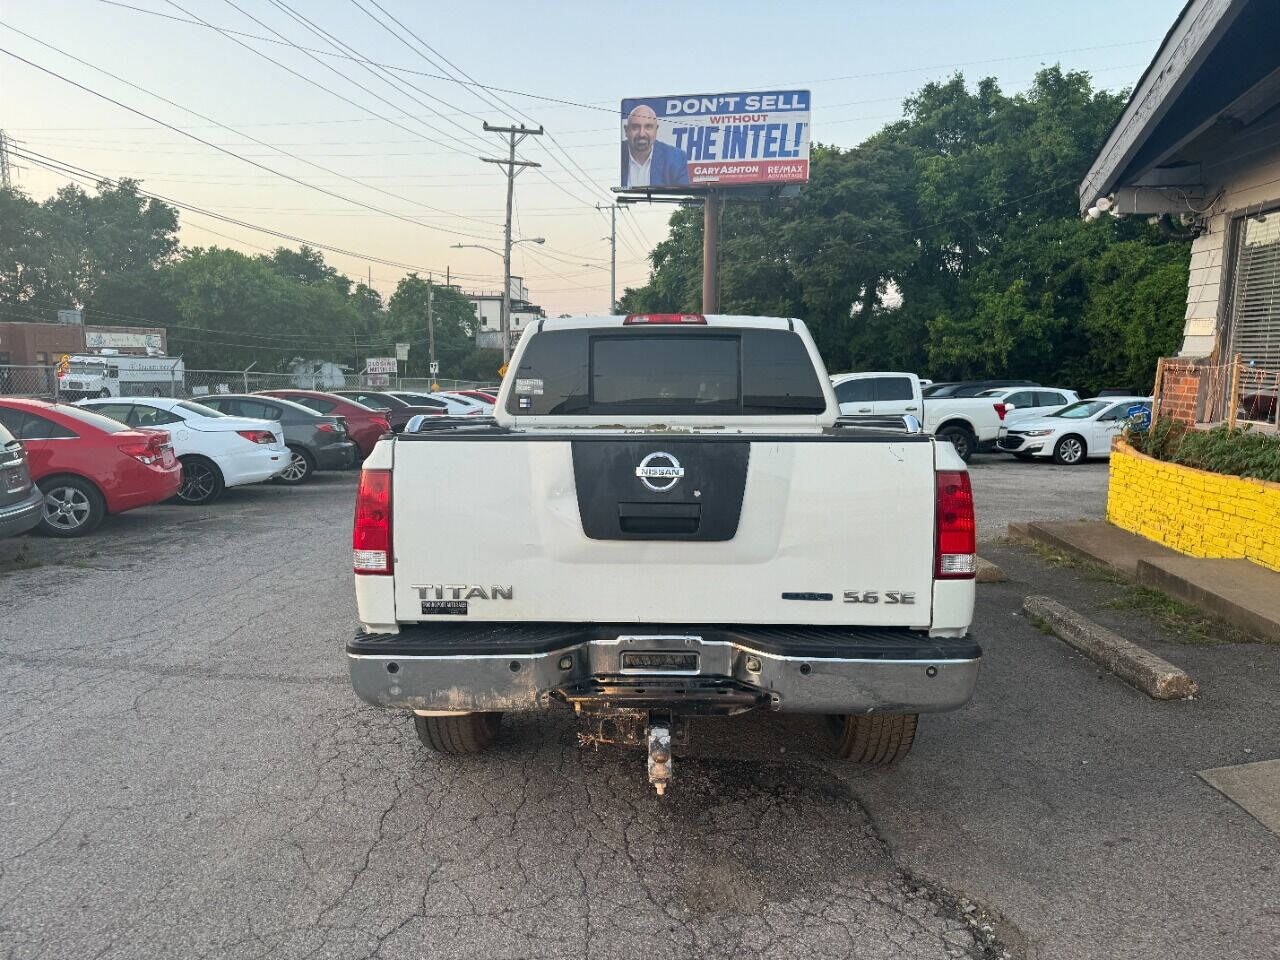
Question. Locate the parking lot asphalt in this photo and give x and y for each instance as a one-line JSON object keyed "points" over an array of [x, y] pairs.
{"points": [[1009, 491], [188, 774]]}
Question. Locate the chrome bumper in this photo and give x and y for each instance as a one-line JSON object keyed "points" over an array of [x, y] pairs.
{"points": [[702, 668]]}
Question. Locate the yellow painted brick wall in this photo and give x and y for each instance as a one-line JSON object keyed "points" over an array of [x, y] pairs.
{"points": [[1198, 513]]}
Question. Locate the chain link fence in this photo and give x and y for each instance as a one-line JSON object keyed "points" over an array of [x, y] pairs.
{"points": [[42, 382]]}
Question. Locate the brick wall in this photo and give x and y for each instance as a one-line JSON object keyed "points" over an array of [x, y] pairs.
{"points": [[1192, 511], [1180, 390]]}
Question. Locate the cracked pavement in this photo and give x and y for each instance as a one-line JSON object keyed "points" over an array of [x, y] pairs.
{"points": [[188, 774]]}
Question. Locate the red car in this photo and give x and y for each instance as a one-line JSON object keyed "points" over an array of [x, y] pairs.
{"points": [[88, 465], [364, 425], [484, 395]]}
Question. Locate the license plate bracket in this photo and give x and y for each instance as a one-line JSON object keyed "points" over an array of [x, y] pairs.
{"points": [[660, 661]]}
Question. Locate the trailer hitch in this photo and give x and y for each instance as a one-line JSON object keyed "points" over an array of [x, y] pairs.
{"points": [[661, 764]]}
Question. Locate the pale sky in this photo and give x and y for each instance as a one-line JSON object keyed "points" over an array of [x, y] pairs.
{"points": [[419, 167]]}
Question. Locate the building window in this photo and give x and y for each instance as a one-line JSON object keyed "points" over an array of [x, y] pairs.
{"points": [[1253, 312]]}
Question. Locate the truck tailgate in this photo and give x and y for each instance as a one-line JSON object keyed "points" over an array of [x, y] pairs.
{"points": [[718, 529]]}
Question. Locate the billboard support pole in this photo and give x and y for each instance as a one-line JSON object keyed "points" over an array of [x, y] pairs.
{"points": [[711, 252]]}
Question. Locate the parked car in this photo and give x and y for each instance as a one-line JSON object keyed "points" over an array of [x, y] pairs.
{"points": [[1023, 402], [20, 498], [87, 465], [971, 388], [398, 411], [216, 451], [364, 425], [464, 406], [484, 396], [878, 394], [1073, 434], [315, 441]]}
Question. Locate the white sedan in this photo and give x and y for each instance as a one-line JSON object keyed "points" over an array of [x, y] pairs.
{"points": [[1076, 432], [461, 405], [216, 451]]}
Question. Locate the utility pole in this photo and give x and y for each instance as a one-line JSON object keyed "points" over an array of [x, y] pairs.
{"points": [[515, 136], [6, 178], [613, 255], [711, 252], [431, 333]]}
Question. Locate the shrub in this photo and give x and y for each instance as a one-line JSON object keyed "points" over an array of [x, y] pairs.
{"points": [[1240, 452]]}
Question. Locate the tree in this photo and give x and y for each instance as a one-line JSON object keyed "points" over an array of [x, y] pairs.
{"points": [[455, 325]]}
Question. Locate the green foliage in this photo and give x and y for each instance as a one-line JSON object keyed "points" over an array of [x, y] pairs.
{"points": [[1239, 452], [455, 325], [950, 243]]}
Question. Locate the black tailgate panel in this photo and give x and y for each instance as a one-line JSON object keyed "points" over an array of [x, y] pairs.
{"points": [[704, 503]]}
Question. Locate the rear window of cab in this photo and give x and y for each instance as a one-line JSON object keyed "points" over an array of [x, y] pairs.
{"points": [[665, 372]]}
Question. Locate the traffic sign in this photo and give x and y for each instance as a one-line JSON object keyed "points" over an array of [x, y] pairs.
{"points": [[435, 367], [402, 351]]}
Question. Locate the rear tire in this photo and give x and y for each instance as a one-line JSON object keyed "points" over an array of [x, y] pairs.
{"points": [[459, 735], [301, 466], [960, 438], [875, 740], [72, 507], [201, 481]]}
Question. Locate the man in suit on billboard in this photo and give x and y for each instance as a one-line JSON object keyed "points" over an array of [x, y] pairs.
{"points": [[646, 161]]}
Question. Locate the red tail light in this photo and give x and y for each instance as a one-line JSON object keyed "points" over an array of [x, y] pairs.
{"points": [[382, 423], [632, 318], [258, 436], [957, 534], [371, 537], [149, 451], [1001, 410], [326, 428]]}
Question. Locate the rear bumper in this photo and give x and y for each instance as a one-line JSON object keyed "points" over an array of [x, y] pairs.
{"points": [[482, 667], [252, 466], [16, 518], [336, 456]]}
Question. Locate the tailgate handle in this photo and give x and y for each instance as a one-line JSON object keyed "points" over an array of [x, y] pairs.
{"points": [[659, 518]]}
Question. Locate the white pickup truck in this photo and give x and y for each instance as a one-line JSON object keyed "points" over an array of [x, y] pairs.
{"points": [[663, 518]]}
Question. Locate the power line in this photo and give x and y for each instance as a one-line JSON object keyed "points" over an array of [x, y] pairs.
{"points": [[232, 153], [68, 169]]}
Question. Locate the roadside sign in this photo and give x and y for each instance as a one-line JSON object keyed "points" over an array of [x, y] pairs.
{"points": [[402, 351], [70, 316], [696, 142], [380, 365], [1139, 417], [379, 380], [435, 367]]}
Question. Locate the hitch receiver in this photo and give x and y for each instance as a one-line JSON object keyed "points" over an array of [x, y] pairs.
{"points": [[661, 770]]}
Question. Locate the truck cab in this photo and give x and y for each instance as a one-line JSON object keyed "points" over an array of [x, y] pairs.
{"points": [[664, 518]]}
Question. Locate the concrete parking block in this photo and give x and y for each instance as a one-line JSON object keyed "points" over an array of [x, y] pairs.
{"points": [[1153, 675], [1254, 787]]}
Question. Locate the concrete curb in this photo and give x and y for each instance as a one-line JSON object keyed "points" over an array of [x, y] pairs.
{"points": [[1154, 676], [989, 572]]}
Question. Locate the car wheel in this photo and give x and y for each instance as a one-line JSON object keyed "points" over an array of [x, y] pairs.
{"points": [[961, 439], [201, 481], [876, 740], [462, 734], [104, 392], [72, 507], [301, 466], [1070, 450]]}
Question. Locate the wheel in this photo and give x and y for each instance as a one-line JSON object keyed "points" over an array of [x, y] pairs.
{"points": [[201, 481], [72, 507], [1070, 450], [301, 466], [1025, 457], [104, 392], [961, 439], [876, 740], [465, 733], [155, 391]]}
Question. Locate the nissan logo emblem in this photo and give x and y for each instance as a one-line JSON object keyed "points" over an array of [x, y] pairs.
{"points": [[661, 467]]}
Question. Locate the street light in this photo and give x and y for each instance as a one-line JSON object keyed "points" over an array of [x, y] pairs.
{"points": [[613, 306], [505, 321]]}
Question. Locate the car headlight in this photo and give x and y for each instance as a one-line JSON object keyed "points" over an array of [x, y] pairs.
{"points": [[1036, 433]]}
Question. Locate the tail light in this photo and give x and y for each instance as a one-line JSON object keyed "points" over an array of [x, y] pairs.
{"points": [[371, 537], [382, 423], [956, 531], [1001, 410], [149, 451], [679, 318], [258, 436], [326, 428]]}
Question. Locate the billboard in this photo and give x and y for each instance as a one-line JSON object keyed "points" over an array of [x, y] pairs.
{"points": [[111, 339], [696, 142]]}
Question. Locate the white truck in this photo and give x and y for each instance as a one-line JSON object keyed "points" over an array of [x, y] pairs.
{"points": [[663, 518], [113, 374], [969, 423]]}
